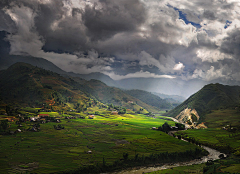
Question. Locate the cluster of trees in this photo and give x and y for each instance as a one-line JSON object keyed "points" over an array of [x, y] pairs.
{"points": [[138, 160], [58, 127], [118, 108], [180, 126], [166, 127], [3, 125]]}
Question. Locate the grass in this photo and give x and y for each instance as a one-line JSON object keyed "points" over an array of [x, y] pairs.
{"points": [[222, 118], [182, 170], [106, 135], [217, 138]]}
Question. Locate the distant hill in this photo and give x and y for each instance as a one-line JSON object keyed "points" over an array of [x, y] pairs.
{"points": [[25, 84], [176, 98], [116, 96], [30, 85], [210, 97], [149, 98], [8, 60], [97, 76]]}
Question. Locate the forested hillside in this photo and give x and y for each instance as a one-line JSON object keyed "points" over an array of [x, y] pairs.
{"points": [[210, 97]]}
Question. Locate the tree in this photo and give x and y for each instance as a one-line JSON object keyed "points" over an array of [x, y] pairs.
{"points": [[104, 162], [125, 156], [4, 124], [166, 127], [90, 104], [180, 126]]}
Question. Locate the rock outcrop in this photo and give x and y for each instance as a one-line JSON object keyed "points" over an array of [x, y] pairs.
{"points": [[188, 116]]}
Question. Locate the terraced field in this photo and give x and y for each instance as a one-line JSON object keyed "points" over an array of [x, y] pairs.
{"points": [[84, 142]]}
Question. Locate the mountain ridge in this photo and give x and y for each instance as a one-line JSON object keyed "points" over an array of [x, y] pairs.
{"points": [[210, 97], [26, 83]]}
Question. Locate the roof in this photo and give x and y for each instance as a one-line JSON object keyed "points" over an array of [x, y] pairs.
{"points": [[43, 114]]}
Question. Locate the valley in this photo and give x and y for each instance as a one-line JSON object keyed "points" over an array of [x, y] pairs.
{"points": [[119, 87], [62, 124], [83, 141]]}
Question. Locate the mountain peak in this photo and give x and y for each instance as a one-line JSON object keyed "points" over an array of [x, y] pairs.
{"points": [[210, 97]]}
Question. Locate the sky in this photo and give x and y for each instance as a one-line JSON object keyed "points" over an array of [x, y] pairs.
{"points": [[182, 39]]}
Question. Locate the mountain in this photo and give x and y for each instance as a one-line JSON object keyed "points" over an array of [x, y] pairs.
{"points": [[171, 98], [210, 97], [8, 60], [149, 98], [25, 84], [116, 96], [97, 76], [30, 85]]}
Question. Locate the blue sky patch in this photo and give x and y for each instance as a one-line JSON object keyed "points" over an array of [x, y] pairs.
{"points": [[183, 16], [228, 23]]}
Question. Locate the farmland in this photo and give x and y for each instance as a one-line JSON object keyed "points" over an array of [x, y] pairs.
{"points": [[83, 142]]}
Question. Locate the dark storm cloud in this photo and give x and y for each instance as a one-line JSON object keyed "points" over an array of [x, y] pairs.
{"points": [[209, 15], [231, 43], [68, 34], [113, 17], [7, 24], [155, 37]]}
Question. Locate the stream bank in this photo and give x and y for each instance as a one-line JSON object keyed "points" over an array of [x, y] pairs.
{"points": [[213, 155]]}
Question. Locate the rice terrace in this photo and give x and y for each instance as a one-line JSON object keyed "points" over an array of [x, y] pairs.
{"points": [[119, 87]]}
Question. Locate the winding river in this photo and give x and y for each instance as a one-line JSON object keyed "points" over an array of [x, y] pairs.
{"points": [[213, 155]]}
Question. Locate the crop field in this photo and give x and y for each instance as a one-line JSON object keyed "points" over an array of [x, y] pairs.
{"points": [[223, 140], [222, 118], [107, 136]]}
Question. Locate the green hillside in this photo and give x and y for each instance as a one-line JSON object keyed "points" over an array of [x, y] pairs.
{"points": [[210, 97], [25, 84], [115, 96], [149, 98], [31, 86]]}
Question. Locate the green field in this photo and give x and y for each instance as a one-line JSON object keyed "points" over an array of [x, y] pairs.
{"points": [[222, 118], [223, 140], [227, 141], [107, 136]]}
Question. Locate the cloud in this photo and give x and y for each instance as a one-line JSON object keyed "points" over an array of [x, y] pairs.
{"points": [[212, 74], [140, 74], [25, 40], [107, 18], [138, 38], [178, 66]]}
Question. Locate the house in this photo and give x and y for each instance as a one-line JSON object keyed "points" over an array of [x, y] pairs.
{"points": [[18, 130], [91, 117], [115, 112], [174, 128], [34, 118], [43, 115], [89, 152], [154, 128]]}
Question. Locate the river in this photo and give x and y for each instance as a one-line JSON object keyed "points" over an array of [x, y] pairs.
{"points": [[213, 155]]}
